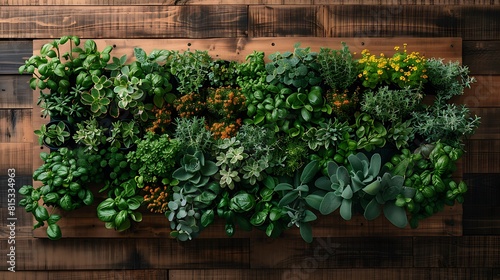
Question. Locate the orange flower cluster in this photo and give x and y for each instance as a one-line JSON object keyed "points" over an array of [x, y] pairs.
{"points": [[189, 105], [343, 104], [225, 102], [163, 118], [156, 198], [221, 130]]}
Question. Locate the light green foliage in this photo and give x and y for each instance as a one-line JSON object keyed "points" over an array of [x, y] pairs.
{"points": [[388, 105], [192, 134], [191, 69], [338, 68], [447, 79], [90, 134], [401, 134], [449, 123]]}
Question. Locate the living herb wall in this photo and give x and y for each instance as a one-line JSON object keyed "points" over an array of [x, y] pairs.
{"points": [[276, 141]]}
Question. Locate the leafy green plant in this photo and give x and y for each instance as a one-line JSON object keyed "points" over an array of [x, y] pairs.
{"points": [[124, 134], [449, 123], [100, 96], [56, 74], [191, 69], [154, 158], [193, 135], [298, 68], [294, 196], [338, 68], [389, 105], [369, 132], [54, 134], [90, 134], [119, 209], [447, 79], [64, 175]]}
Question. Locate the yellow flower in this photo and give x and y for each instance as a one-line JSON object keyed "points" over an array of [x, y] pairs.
{"points": [[380, 72], [396, 48]]}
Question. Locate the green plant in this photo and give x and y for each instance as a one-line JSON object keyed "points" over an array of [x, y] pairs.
{"points": [[154, 158], [193, 135], [369, 132], [64, 175], [449, 123], [389, 105], [447, 79], [56, 74], [223, 73], [191, 69], [54, 134], [294, 196], [327, 135], [119, 209], [90, 134], [298, 68], [124, 134], [100, 96], [338, 68]]}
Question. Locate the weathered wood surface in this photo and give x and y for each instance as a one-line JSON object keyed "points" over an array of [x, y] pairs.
{"points": [[124, 21], [310, 272], [84, 223], [15, 92], [13, 54], [15, 125], [471, 22], [238, 48], [468, 22], [247, 2]]}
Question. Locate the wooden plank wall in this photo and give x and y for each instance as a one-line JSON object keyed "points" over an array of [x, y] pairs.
{"points": [[475, 255]]}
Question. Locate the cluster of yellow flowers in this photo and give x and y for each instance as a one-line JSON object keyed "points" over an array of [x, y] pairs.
{"points": [[403, 68]]}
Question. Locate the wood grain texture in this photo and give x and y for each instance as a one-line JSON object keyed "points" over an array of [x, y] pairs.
{"points": [[15, 92], [122, 254], [15, 125], [483, 156], [466, 251], [18, 156], [311, 272], [247, 2], [124, 21], [332, 252], [468, 22], [238, 48], [482, 57], [13, 54], [485, 93], [490, 127], [127, 274]]}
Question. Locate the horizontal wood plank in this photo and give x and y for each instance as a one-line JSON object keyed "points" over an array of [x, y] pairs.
{"points": [[485, 92], [120, 254], [13, 54], [15, 125], [489, 128], [483, 156], [333, 252], [151, 274], [17, 156], [15, 92], [466, 251], [309, 271], [468, 22], [247, 2], [238, 48], [124, 21], [482, 57]]}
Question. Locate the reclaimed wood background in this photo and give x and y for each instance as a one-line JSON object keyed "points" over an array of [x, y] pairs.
{"points": [[474, 255]]}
